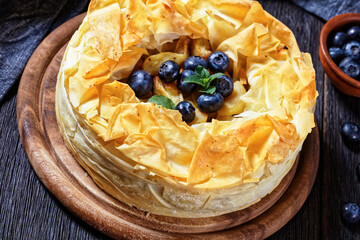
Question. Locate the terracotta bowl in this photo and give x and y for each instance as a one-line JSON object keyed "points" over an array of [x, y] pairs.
{"points": [[338, 78]]}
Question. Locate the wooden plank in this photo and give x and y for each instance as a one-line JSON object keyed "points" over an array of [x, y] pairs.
{"points": [[339, 180], [27, 209]]}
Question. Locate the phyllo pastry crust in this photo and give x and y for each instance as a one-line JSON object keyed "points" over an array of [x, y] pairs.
{"points": [[145, 155]]}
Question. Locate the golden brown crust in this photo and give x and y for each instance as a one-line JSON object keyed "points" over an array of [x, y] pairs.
{"points": [[257, 133]]}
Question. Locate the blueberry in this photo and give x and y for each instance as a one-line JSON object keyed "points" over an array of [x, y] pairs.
{"points": [[350, 67], [186, 88], [350, 212], [210, 103], [192, 62], [169, 71], [354, 33], [350, 132], [224, 85], [352, 49], [336, 54], [339, 39], [218, 62], [187, 111], [345, 61], [140, 82]]}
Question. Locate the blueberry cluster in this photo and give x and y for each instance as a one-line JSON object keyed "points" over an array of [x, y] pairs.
{"points": [[345, 51], [218, 62]]}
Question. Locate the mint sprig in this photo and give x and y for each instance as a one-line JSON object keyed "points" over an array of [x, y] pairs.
{"points": [[210, 90], [162, 101], [203, 78]]}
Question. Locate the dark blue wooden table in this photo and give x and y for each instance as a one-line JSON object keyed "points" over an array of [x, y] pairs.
{"points": [[29, 211]]}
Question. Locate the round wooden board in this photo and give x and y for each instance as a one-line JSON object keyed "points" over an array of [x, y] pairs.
{"points": [[64, 177]]}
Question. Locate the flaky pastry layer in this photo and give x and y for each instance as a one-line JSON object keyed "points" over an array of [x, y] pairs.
{"points": [[147, 156]]}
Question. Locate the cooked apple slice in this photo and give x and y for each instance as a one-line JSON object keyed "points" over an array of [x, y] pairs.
{"points": [[167, 89], [152, 63], [233, 104]]}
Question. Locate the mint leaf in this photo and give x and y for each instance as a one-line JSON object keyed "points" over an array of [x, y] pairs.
{"points": [[194, 79], [208, 81], [198, 70], [210, 90], [162, 101], [216, 75], [203, 78], [204, 73]]}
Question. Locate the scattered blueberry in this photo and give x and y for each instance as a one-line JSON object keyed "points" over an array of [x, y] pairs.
{"points": [[224, 85], [210, 103], [140, 82], [350, 67], [336, 54], [339, 39], [218, 62], [352, 49], [192, 62], [354, 32], [187, 111], [169, 71], [350, 132], [186, 88], [350, 212]]}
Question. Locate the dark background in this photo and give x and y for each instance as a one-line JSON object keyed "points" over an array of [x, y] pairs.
{"points": [[29, 211]]}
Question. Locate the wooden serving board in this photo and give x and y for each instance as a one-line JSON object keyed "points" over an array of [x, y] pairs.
{"points": [[65, 178]]}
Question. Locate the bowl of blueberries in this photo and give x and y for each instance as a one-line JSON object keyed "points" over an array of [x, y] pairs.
{"points": [[340, 52]]}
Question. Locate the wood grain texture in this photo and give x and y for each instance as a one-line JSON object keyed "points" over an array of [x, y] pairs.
{"points": [[340, 182], [29, 211], [64, 177]]}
